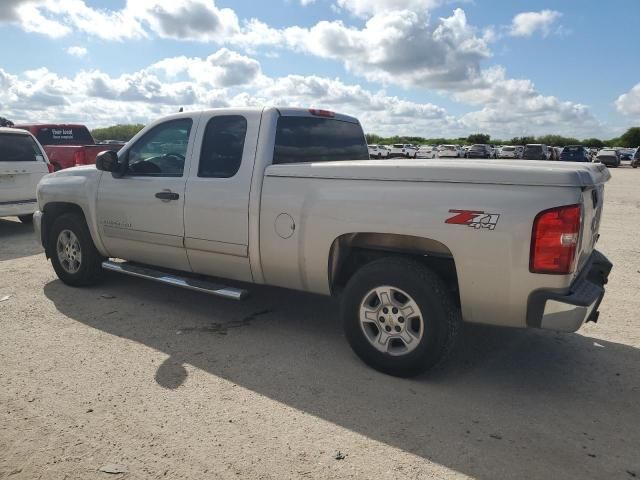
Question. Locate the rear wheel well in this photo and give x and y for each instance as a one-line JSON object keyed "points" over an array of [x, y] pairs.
{"points": [[351, 252], [51, 212]]}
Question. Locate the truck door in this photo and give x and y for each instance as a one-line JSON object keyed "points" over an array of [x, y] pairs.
{"points": [[141, 215], [216, 213]]}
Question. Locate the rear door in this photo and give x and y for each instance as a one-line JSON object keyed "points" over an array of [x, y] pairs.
{"points": [[216, 213], [22, 165]]}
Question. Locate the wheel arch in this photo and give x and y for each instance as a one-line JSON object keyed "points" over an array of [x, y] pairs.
{"points": [[351, 251], [52, 211]]}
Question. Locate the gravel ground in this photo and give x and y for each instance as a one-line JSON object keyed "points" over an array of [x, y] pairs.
{"points": [[174, 384]]}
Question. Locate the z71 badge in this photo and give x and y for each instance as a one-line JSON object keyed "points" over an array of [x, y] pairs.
{"points": [[473, 218]]}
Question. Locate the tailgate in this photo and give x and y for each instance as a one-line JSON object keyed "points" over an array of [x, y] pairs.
{"points": [[18, 180], [592, 201]]}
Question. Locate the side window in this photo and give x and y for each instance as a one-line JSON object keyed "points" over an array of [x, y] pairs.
{"points": [[161, 151], [222, 146]]}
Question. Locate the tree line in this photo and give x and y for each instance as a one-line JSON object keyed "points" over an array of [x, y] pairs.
{"points": [[630, 139], [116, 132]]}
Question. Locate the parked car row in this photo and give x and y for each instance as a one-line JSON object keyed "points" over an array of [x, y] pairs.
{"points": [[534, 151]]}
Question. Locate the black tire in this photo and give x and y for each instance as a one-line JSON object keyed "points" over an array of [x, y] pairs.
{"points": [[440, 326], [26, 219], [90, 270]]}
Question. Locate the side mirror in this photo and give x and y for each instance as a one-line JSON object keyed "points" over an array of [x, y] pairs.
{"points": [[107, 161]]}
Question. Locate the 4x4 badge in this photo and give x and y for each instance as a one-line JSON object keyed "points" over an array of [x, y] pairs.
{"points": [[474, 218]]}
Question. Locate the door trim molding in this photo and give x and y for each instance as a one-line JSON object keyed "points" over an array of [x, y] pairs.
{"points": [[216, 247], [142, 236]]}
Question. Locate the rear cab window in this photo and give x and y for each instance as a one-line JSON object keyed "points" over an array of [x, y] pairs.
{"points": [[64, 135], [19, 148], [310, 139]]}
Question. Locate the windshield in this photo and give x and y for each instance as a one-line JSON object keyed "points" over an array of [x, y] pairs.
{"points": [[508, 149], [63, 135], [19, 148]]}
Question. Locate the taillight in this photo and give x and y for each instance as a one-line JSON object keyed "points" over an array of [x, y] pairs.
{"points": [[555, 240], [79, 158], [321, 113]]}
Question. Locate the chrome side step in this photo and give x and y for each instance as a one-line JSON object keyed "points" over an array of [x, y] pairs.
{"points": [[175, 280]]}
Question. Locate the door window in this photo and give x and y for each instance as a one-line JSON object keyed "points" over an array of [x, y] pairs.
{"points": [[162, 150], [222, 146]]}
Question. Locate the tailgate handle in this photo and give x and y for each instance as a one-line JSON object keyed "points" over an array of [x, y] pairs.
{"points": [[167, 196]]}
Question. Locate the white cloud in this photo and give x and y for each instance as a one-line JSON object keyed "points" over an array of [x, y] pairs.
{"points": [[77, 51], [401, 43], [629, 103], [527, 23], [224, 68], [28, 15], [199, 20], [398, 47], [226, 78], [364, 8]]}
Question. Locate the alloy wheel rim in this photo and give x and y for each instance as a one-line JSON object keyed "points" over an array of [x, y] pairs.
{"points": [[69, 251], [391, 320]]}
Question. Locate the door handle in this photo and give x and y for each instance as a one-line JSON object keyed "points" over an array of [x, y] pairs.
{"points": [[167, 196]]}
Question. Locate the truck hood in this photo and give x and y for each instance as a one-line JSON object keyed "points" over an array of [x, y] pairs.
{"points": [[85, 171], [496, 172]]}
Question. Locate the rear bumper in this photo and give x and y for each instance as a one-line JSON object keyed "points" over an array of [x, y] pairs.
{"points": [[567, 312], [20, 207]]}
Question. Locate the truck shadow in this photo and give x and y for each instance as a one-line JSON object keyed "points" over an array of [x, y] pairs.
{"points": [[512, 404], [17, 240]]}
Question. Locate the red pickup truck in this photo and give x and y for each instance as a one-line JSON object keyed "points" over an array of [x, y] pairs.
{"points": [[67, 145]]}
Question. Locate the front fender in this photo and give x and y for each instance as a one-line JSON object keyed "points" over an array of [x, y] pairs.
{"points": [[75, 187]]}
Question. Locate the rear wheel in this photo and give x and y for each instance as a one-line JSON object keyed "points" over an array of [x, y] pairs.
{"points": [[74, 257], [27, 219], [399, 317]]}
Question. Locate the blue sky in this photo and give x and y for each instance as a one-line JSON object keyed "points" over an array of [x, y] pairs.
{"points": [[427, 67]]}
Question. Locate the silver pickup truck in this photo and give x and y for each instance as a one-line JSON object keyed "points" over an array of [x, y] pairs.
{"points": [[289, 197]]}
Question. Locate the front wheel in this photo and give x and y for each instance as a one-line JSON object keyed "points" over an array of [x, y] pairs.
{"points": [[74, 257], [399, 317]]}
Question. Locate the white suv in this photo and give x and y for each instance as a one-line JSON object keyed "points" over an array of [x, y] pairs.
{"points": [[378, 151], [22, 164], [403, 150]]}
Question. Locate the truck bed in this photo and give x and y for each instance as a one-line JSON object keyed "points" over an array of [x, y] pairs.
{"points": [[499, 172]]}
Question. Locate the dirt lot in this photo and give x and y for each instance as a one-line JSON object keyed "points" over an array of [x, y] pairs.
{"points": [[176, 384]]}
